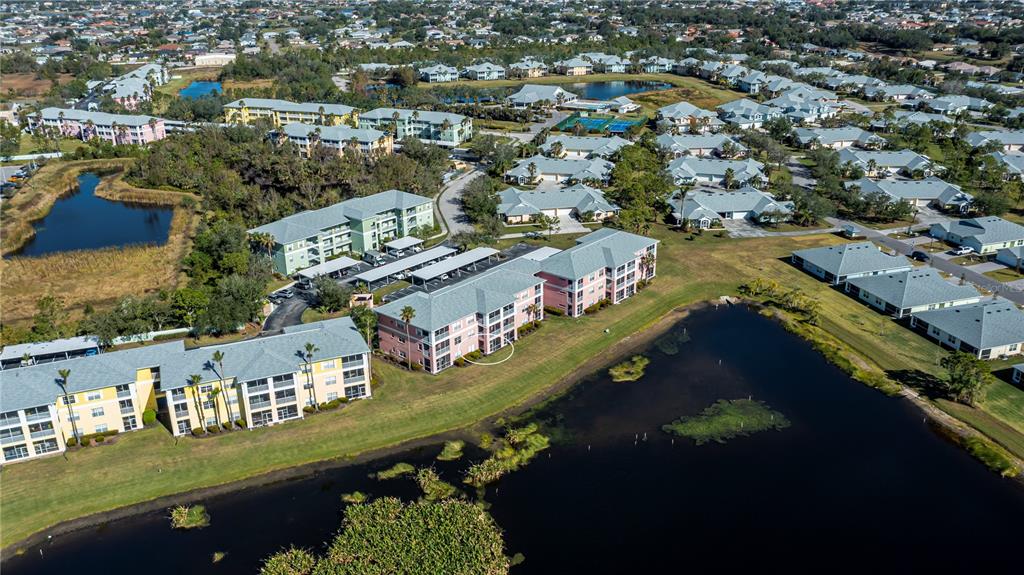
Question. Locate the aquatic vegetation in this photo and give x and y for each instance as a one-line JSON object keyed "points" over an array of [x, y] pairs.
{"points": [[434, 488], [631, 370], [515, 450], [218, 556], [452, 450], [396, 470], [354, 497], [726, 420], [669, 343], [389, 536], [994, 457], [189, 517]]}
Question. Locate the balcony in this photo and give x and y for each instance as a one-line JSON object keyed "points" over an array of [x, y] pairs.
{"points": [[259, 404], [127, 411], [12, 439], [258, 388], [42, 416], [43, 434], [357, 379], [124, 394]]}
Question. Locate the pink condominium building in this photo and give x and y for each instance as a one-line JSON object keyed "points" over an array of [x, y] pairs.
{"points": [[118, 129], [481, 313], [606, 264]]}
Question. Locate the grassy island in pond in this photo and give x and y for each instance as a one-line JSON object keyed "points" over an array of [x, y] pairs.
{"points": [[396, 470], [189, 517], [452, 450], [631, 370], [727, 420]]}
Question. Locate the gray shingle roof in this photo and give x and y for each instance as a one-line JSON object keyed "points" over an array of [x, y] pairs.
{"points": [[914, 288], [581, 197], [98, 118], [987, 230], [287, 106], [600, 146], [982, 325], [332, 134], [853, 258], [604, 248]]}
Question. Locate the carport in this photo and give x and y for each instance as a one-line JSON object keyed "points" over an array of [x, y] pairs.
{"points": [[328, 268], [402, 244], [412, 262], [450, 265]]}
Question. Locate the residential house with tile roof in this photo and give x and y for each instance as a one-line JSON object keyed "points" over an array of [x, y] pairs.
{"points": [[887, 163], [685, 117], [583, 147], [838, 138], [700, 145]]}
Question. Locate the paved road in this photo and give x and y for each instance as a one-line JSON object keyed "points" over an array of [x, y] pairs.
{"points": [[801, 174], [288, 313], [906, 248], [450, 206]]}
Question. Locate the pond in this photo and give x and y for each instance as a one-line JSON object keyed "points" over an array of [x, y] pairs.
{"points": [[858, 480], [200, 89], [83, 221], [609, 90]]}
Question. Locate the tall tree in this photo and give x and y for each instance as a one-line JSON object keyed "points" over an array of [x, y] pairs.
{"points": [[407, 315], [966, 376], [63, 383], [309, 350]]}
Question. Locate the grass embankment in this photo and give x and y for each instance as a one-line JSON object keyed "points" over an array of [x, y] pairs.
{"points": [[409, 405], [95, 277]]}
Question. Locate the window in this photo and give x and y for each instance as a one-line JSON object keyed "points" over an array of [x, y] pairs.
{"points": [[101, 428], [184, 427], [287, 412], [97, 412], [209, 405], [262, 418], [180, 410], [354, 375], [129, 423], [126, 406], [355, 391], [211, 420], [331, 380], [68, 399], [285, 395], [11, 435], [94, 396], [205, 388], [16, 452], [458, 339], [332, 396], [45, 446], [327, 364], [358, 358]]}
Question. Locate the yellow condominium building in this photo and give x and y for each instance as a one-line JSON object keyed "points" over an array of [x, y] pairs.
{"points": [[253, 383], [281, 112]]}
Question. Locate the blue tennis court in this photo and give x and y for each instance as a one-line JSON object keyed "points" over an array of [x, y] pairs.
{"points": [[621, 126]]}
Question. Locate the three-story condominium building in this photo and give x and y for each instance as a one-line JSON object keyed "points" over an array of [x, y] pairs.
{"points": [[118, 129], [482, 313], [440, 128], [337, 138], [258, 382], [281, 112], [308, 238], [603, 265]]}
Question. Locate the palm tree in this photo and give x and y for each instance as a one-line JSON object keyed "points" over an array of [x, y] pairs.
{"points": [[647, 264], [308, 356], [218, 358], [729, 178], [408, 312], [264, 241], [63, 383], [194, 381], [534, 311], [214, 394]]}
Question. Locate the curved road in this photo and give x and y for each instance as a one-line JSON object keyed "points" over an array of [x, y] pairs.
{"points": [[450, 205]]}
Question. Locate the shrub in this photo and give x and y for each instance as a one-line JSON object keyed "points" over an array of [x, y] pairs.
{"points": [[474, 355], [71, 442], [240, 423], [189, 517], [308, 409], [199, 431], [417, 367], [149, 417], [100, 438], [460, 362], [226, 425], [344, 399], [549, 310], [212, 429]]}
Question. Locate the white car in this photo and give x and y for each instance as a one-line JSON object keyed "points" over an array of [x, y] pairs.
{"points": [[963, 251]]}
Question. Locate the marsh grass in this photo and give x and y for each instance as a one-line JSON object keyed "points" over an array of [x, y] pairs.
{"points": [[993, 456], [631, 370], [354, 497], [396, 470], [452, 450], [670, 343], [434, 488], [516, 449], [726, 420], [189, 517]]}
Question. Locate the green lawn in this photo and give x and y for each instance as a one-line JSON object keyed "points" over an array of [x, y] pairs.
{"points": [[28, 146], [1005, 275], [149, 464]]}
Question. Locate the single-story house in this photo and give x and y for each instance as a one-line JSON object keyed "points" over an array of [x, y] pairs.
{"points": [[536, 94], [706, 208], [520, 206], [896, 93], [544, 169], [887, 163], [839, 263], [987, 330], [691, 170], [951, 105], [685, 117], [985, 235], [747, 114], [1012, 257], [838, 138], [1010, 140], [702, 145], [583, 146], [904, 293], [903, 118], [1012, 161], [606, 63], [919, 193]]}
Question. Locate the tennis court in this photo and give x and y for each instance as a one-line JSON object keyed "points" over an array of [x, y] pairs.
{"points": [[621, 126], [597, 124]]}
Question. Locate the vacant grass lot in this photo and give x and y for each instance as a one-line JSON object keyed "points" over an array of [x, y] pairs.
{"points": [[142, 466]]}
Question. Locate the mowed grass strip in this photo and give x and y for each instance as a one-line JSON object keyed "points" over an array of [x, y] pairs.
{"points": [[149, 464]]}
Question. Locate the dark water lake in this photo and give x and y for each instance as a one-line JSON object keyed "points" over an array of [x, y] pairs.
{"points": [[82, 221], [200, 89], [609, 90], [859, 482]]}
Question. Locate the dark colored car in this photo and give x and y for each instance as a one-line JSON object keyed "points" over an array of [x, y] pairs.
{"points": [[920, 256]]}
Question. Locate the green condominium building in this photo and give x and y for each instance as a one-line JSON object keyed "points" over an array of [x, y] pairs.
{"points": [[438, 128], [353, 226]]}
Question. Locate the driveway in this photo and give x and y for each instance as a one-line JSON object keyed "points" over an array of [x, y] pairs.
{"points": [[986, 267], [449, 202], [534, 129], [288, 313]]}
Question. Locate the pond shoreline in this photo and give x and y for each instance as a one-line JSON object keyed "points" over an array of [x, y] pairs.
{"points": [[622, 348]]}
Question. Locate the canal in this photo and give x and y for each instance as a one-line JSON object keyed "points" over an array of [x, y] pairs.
{"points": [[83, 221], [858, 482]]}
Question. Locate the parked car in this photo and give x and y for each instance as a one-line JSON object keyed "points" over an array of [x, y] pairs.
{"points": [[285, 293], [963, 251], [532, 235], [373, 257], [920, 256]]}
